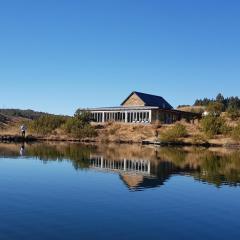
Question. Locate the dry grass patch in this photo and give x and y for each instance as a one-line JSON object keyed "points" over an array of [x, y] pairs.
{"points": [[126, 132]]}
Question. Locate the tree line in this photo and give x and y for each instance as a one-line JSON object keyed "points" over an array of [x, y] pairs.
{"points": [[227, 103]]}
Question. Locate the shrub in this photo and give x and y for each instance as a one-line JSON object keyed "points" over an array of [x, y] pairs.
{"points": [[236, 132], [213, 125], [215, 108], [46, 124], [233, 113], [174, 133], [83, 116], [112, 131], [79, 125], [199, 139]]}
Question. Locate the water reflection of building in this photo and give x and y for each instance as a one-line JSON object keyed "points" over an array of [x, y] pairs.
{"points": [[135, 174], [124, 165]]}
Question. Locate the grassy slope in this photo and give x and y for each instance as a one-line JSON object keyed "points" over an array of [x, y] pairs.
{"points": [[11, 126], [114, 132]]}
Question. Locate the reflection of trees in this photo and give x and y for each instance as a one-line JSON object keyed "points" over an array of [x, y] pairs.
{"points": [[220, 170], [45, 152], [207, 166], [204, 165], [79, 155], [9, 150]]}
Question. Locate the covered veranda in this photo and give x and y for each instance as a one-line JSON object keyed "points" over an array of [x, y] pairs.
{"points": [[127, 115]]}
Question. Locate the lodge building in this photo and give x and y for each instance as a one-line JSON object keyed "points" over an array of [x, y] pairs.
{"points": [[141, 108]]}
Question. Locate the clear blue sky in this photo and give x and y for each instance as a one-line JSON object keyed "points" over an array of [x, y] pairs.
{"points": [[57, 55]]}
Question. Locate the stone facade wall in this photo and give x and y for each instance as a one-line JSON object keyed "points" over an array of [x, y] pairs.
{"points": [[134, 100]]}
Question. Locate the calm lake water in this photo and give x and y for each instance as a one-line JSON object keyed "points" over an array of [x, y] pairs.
{"points": [[72, 191]]}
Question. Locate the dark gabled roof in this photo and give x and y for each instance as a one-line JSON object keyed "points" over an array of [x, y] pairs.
{"points": [[151, 100]]}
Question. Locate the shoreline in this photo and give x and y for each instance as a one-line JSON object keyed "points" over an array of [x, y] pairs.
{"points": [[30, 138]]}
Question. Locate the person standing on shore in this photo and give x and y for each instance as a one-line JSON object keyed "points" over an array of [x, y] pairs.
{"points": [[23, 130]]}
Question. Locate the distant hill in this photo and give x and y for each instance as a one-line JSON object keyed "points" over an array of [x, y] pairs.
{"points": [[29, 114]]}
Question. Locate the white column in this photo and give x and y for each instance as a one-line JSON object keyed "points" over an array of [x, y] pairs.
{"points": [[126, 120], [103, 117], [150, 116]]}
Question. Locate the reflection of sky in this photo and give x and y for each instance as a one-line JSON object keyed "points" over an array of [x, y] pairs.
{"points": [[40, 201]]}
